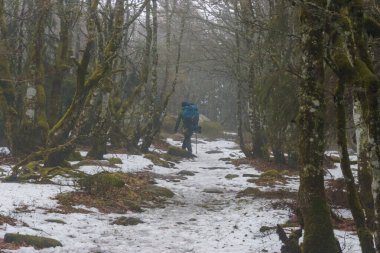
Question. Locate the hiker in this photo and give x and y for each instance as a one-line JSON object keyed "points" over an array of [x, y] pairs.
{"points": [[189, 115]]}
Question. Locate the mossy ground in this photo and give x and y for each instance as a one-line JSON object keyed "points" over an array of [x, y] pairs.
{"points": [[37, 173], [157, 160], [75, 156], [127, 221], [178, 152], [100, 163], [28, 240], [115, 193], [265, 165], [270, 177], [257, 193], [231, 176], [56, 221], [115, 160], [212, 130]]}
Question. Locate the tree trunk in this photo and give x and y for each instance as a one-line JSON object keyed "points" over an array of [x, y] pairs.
{"points": [[7, 88], [154, 105], [100, 133], [239, 89], [364, 234], [61, 65], [34, 125], [368, 82], [257, 138], [312, 199], [364, 167], [85, 86]]}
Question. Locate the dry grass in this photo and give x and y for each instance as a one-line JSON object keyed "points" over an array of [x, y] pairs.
{"points": [[131, 197], [7, 220], [257, 193], [336, 193], [8, 246], [8, 159], [264, 165]]}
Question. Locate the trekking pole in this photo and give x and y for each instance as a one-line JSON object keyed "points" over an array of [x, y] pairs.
{"points": [[196, 143]]}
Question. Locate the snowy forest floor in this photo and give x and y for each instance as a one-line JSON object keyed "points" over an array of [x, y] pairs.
{"points": [[204, 216]]}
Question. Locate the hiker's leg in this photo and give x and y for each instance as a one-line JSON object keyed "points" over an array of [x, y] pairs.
{"points": [[188, 146], [184, 144]]}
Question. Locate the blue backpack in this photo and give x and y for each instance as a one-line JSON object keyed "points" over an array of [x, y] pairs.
{"points": [[190, 116]]}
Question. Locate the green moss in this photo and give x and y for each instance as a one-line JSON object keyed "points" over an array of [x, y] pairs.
{"points": [[101, 183], [186, 173], [55, 221], [75, 156], [133, 206], [32, 166], [275, 174], [157, 191], [127, 221], [115, 160], [41, 101], [255, 192], [250, 191], [174, 151], [37, 242], [33, 171], [365, 75], [156, 160], [100, 163], [212, 129], [264, 229], [231, 176], [341, 59]]}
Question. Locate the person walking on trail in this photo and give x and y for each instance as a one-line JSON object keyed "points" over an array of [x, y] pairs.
{"points": [[189, 115]]}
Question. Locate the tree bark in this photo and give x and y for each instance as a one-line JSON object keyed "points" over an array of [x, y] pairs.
{"points": [[364, 234], [61, 64], [34, 126], [239, 97], [364, 166], [154, 110], [7, 88], [255, 128], [312, 199]]}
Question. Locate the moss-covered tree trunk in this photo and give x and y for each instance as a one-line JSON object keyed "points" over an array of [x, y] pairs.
{"points": [[85, 85], [34, 126], [364, 234], [61, 62], [341, 54], [100, 133], [257, 137], [154, 109], [353, 64], [312, 199], [159, 113], [7, 88], [367, 82], [168, 43], [364, 166], [239, 88], [87, 82]]}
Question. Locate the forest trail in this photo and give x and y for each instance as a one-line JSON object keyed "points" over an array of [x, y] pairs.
{"points": [[203, 216]]}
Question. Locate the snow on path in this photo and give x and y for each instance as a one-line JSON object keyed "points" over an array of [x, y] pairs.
{"points": [[194, 221]]}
